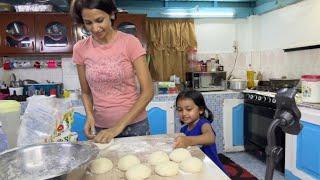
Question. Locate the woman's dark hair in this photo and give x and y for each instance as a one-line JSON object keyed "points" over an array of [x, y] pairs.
{"points": [[198, 99], [77, 6]]}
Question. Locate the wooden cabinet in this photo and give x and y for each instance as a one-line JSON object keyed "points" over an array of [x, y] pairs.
{"points": [[35, 33], [133, 24], [129, 23]]}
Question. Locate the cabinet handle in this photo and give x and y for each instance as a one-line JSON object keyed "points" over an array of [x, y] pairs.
{"points": [[41, 49], [33, 45]]}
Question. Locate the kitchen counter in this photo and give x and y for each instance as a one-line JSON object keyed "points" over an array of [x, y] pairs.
{"points": [[309, 105], [143, 146]]}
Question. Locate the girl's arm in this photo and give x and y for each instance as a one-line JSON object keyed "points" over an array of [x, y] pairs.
{"points": [[207, 137], [87, 101], [146, 94]]}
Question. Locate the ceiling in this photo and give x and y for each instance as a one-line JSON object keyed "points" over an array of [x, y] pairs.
{"points": [[155, 8]]}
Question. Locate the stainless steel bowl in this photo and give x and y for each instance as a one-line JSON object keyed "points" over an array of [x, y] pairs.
{"points": [[237, 84], [47, 161]]}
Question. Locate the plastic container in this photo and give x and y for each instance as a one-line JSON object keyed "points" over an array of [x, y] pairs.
{"points": [[310, 88], [10, 120]]}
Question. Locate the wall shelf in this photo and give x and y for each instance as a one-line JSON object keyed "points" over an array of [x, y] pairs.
{"points": [[302, 48]]}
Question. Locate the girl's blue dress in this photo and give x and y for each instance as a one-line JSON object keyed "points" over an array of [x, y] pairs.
{"points": [[209, 150]]}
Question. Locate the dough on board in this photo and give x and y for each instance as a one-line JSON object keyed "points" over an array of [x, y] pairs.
{"points": [[101, 165], [191, 165], [138, 172], [158, 157], [128, 161], [179, 155], [168, 168], [104, 145]]}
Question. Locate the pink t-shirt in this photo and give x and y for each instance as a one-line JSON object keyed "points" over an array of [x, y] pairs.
{"points": [[111, 76]]}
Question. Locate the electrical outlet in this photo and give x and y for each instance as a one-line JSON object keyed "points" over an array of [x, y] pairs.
{"points": [[235, 46]]}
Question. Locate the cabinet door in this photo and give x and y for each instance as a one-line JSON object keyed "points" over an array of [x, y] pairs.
{"points": [[308, 149], [54, 33], [161, 117], [17, 33], [133, 24]]}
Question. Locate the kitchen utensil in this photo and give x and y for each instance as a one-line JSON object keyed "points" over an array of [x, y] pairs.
{"points": [[46, 161], [237, 84]]}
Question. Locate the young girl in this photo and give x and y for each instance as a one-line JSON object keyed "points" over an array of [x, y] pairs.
{"points": [[197, 118]]}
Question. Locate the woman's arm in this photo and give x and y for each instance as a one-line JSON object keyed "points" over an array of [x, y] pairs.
{"points": [[146, 91], [207, 137], [87, 101], [146, 94]]}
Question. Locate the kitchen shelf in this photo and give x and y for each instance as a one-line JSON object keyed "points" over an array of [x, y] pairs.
{"points": [[302, 48]]}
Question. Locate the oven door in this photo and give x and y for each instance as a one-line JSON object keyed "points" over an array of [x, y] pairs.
{"points": [[257, 120]]}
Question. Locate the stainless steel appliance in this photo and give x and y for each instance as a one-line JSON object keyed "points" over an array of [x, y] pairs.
{"points": [[259, 111], [206, 81]]}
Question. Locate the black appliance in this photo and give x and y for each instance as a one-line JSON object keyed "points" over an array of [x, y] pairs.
{"points": [[259, 111]]}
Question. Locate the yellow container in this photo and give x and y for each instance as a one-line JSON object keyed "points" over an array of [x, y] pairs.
{"points": [[250, 77]]}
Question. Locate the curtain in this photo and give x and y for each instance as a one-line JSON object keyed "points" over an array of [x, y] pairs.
{"points": [[168, 44]]}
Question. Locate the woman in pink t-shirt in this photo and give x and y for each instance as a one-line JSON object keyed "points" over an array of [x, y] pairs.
{"points": [[109, 62]]}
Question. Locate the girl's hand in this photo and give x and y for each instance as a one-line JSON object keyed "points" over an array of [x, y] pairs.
{"points": [[181, 142], [89, 128], [106, 135]]}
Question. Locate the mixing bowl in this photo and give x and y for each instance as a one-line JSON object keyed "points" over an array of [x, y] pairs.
{"points": [[47, 161]]}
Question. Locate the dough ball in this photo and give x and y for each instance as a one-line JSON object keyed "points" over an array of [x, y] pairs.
{"points": [[101, 165], [168, 168], [104, 145], [191, 165], [128, 161], [138, 172], [179, 155], [158, 157]]}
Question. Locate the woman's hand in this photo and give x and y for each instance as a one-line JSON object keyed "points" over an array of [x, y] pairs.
{"points": [[106, 135], [181, 142], [89, 128]]}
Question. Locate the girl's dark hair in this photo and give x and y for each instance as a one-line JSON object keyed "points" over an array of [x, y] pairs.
{"points": [[77, 6], [198, 99]]}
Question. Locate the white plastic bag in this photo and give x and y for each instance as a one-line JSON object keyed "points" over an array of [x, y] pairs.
{"points": [[40, 119]]}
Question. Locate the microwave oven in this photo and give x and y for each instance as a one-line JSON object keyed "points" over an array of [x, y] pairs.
{"points": [[206, 81]]}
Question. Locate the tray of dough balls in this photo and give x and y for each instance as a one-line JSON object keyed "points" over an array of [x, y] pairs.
{"points": [[151, 158]]}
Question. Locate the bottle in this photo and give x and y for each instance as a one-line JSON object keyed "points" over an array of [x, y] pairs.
{"points": [[4, 145], [250, 77]]}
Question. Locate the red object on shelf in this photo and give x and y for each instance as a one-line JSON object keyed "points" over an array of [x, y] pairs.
{"points": [[53, 92], [6, 65]]}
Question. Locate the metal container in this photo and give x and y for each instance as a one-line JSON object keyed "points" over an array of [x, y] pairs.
{"points": [[47, 161], [237, 84]]}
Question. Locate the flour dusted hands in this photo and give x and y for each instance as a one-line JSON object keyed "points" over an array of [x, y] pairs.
{"points": [[107, 135], [89, 128], [181, 142]]}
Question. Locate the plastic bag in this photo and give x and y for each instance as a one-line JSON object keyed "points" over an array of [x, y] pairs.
{"points": [[41, 120]]}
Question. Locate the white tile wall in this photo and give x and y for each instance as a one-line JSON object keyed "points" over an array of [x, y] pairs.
{"points": [[70, 75], [271, 63]]}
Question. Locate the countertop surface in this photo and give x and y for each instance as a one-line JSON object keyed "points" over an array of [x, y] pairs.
{"points": [[142, 147], [310, 105]]}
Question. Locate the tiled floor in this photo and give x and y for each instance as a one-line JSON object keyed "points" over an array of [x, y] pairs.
{"points": [[253, 165]]}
